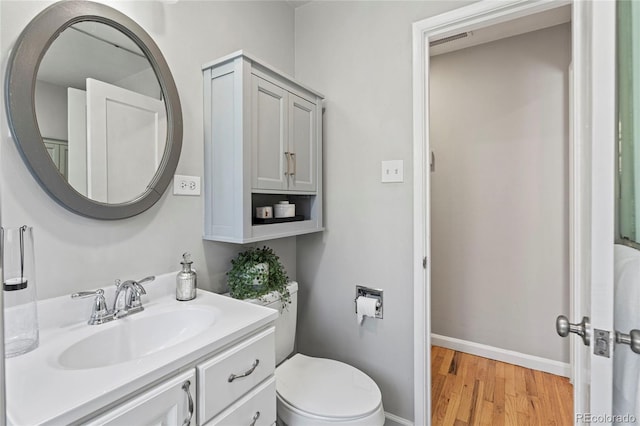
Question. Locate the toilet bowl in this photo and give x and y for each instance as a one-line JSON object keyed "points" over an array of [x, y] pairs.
{"points": [[318, 391]]}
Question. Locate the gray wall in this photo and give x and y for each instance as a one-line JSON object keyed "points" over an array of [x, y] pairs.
{"points": [[499, 202], [359, 55], [51, 110], [75, 253]]}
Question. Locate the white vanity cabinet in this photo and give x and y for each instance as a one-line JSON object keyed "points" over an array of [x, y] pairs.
{"points": [[263, 145], [233, 387], [170, 403]]}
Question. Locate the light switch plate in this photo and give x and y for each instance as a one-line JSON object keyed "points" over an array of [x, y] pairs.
{"points": [[392, 171], [186, 185]]}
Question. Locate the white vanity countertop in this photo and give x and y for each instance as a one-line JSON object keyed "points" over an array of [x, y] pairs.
{"points": [[39, 390]]}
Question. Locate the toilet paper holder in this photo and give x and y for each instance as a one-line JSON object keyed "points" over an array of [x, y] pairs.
{"points": [[375, 293]]}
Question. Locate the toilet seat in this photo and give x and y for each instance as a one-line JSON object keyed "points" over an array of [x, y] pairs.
{"points": [[327, 390], [291, 416]]}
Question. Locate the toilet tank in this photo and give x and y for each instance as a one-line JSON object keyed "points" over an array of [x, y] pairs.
{"points": [[286, 322]]}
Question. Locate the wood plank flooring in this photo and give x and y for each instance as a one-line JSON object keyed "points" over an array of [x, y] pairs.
{"points": [[470, 390]]}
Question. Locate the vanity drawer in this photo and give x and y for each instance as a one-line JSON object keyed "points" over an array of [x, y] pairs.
{"points": [[258, 405], [226, 377]]}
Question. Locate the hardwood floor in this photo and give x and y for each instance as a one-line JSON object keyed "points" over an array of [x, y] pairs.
{"points": [[470, 390]]}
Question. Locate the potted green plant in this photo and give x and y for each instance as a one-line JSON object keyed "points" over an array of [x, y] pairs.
{"points": [[257, 272]]}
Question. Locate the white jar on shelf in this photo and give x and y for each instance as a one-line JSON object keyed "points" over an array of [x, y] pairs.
{"points": [[284, 209]]}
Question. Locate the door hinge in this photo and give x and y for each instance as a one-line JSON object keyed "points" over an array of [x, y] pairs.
{"points": [[424, 263]]}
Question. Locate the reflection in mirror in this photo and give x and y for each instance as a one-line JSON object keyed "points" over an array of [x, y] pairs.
{"points": [[101, 113], [628, 66]]}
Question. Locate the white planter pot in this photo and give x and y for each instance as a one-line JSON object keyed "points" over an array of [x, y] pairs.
{"points": [[262, 269]]}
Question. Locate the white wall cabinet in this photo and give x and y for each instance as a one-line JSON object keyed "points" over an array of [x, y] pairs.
{"points": [[284, 143], [233, 386], [263, 144]]}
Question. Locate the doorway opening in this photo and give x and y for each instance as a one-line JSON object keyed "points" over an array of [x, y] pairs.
{"points": [[499, 134]]}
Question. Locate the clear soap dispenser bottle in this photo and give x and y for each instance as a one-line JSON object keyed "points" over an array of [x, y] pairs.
{"points": [[186, 281]]}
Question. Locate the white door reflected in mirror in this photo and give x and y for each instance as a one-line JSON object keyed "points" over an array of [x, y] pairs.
{"points": [[115, 155], [98, 95]]}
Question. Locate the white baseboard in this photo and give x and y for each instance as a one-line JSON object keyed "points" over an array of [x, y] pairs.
{"points": [[504, 355], [393, 420]]}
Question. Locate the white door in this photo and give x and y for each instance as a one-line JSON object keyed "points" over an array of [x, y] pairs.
{"points": [[593, 207], [126, 138], [77, 134], [593, 195]]}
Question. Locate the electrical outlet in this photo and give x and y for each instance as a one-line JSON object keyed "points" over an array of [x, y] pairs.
{"points": [[186, 185], [392, 171]]}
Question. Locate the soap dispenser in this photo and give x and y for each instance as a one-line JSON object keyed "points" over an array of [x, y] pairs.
{"points": [[186, 281]]}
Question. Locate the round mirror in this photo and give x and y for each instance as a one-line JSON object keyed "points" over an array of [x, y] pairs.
{"points": [[94, 110]]}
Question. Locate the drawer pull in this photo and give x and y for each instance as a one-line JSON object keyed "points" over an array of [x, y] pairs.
{"points": [[185, 387], [246, 373], [256, 416]]}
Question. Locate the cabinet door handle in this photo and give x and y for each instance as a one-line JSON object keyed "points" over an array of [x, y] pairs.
{"points": [[293, 157], [246, 373], [185, 387], [255, 418], [287, 156]]}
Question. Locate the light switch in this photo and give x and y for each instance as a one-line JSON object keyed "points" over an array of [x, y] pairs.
{"points": [[392, 171]]}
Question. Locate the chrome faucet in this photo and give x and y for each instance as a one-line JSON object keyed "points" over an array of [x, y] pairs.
{"points": [[130, 291]]}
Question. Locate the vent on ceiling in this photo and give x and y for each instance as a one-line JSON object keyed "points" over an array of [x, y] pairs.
{"points": [[449, 39]]}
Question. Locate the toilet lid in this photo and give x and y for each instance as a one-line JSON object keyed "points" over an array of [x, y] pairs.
{"points": [[326, 388]]}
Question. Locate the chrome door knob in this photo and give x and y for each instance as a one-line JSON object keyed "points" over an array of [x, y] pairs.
{"points": [[632, 339], [564, 327]]}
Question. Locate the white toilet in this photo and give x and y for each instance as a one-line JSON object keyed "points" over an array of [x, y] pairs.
{"points": [[319, 391]]}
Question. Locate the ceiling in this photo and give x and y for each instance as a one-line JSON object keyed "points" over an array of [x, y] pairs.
{"points": [[511, 28]]}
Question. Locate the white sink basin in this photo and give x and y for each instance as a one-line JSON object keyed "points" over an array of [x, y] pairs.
{"points": [[133, 337]]}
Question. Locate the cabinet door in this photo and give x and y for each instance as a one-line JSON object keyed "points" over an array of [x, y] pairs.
{"points": [[170, 403], [268, 135], [302, 144]]}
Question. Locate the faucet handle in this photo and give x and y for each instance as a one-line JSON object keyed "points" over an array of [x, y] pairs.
{"points": [[133, 294], [84, 294], [99, 313], [146, 279], [138, 284], [137, 289]]}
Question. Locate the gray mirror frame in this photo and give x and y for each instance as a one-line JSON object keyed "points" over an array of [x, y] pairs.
{"points": [[22, 70]]}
